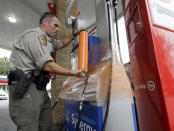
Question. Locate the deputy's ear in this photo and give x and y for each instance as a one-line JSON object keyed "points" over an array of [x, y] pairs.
{"points": [[45, 21]]}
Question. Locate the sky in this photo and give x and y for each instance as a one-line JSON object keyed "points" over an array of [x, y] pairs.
{"points": [[4, 53]]}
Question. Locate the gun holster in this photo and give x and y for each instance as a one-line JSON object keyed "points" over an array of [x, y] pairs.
{"points": [[23, 82]]}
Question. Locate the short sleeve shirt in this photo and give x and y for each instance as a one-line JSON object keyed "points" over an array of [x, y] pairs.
{"points": [[31, 50]]}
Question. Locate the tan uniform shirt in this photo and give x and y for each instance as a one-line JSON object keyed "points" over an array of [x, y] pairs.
{"points": [[31, 50]]}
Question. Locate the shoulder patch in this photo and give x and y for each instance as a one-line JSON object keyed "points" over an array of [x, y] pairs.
{"points": [[43, 40]]}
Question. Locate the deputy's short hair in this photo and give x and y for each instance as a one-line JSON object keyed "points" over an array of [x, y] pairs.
{"points": [[46, 15]]}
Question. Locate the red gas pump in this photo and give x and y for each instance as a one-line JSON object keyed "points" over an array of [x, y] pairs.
{"points": [[150, 31]]}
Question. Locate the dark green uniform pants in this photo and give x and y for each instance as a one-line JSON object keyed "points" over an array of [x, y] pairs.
{"points": [[33, 111]]}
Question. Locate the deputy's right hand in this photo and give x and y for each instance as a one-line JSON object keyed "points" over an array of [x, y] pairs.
{"points": [[79, 73]]}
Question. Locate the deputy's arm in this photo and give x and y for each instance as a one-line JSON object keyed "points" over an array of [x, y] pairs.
{"points": [[55, 68], [68, 39]]}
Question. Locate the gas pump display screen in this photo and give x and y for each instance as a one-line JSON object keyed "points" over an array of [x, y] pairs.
{"points": [[163, 13]]}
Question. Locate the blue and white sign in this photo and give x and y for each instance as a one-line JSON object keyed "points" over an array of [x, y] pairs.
{"points": [[91, 117]]}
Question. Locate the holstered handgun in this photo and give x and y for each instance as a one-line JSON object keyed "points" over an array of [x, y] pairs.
{"points": [[23, 82]]}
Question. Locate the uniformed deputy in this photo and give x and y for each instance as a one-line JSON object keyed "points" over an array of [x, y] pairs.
{"points": [[31, 54]]}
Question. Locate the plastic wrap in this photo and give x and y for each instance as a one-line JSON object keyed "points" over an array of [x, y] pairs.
{"points": [[105, 74], [96, 84], [100, 77], [83, 51]]}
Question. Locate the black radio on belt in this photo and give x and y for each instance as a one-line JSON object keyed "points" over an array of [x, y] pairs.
{"points": [[42, 80]]}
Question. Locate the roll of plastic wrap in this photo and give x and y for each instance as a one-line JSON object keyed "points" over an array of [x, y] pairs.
{"points": [[83, 51]]}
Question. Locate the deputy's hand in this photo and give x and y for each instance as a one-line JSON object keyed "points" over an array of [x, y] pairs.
{"points": [[79, 73], [77, 31]]}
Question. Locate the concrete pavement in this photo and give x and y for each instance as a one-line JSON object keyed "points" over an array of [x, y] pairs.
{"points": [[5, 122]]}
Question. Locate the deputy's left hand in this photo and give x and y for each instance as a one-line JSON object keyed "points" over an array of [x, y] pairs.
{"points": [[77, 31]]}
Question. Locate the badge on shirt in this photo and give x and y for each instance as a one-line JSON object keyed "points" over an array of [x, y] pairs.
{"points": [[43, 40]]}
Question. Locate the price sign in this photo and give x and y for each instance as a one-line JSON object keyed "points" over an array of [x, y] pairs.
{"points": [[163, 13]]}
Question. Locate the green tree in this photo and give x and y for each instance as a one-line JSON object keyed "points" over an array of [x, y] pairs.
{"points": [[4, 66]]}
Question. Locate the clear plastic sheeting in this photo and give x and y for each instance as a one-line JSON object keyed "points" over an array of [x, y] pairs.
{"points": [[120, 85], [95, 84]]}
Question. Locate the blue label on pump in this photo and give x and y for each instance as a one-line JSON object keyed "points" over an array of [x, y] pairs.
{"points": [[91, 117], [93, 47]]}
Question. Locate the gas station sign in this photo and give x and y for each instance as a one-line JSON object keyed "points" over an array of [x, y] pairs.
{"points": [[91, 117], [163, 13]]}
